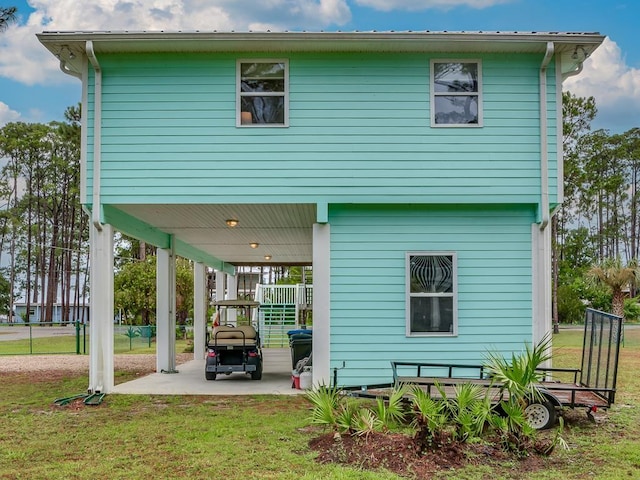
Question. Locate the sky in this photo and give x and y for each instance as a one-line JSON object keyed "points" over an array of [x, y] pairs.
{"points": [[33, 89]]}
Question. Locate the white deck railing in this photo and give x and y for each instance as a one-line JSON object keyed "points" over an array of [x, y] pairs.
{"points": [[300, 294], [274, 326]]}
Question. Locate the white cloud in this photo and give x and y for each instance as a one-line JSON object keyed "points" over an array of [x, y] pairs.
{"points": [[22, 58], [614, 85], [7, 115], [415, 5]]}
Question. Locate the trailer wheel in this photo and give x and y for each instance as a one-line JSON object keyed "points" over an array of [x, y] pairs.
{"points": [[210, 375], [540, 414]]}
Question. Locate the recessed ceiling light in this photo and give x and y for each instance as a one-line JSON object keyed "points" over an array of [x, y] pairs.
{"points": [[267, 257], [254, 244], [232, 222]]}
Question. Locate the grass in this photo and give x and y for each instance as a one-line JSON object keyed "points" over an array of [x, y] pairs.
{"points": [[168, 437], [67, 344], [262, 437]]}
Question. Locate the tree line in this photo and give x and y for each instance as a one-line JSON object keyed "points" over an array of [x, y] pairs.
{"points": [[596, 231], [42, 230]]}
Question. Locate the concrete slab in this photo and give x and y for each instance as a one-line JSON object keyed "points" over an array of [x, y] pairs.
{"points": [[276, 380]]}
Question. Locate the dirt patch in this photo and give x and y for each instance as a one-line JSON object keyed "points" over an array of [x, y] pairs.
{"points": [[398, 453], [141, 364]]}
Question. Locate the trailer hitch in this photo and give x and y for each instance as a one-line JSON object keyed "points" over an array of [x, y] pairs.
{"points": [[590, 411]]}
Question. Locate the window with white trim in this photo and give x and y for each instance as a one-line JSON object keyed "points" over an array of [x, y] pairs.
{"points": [[262, 93], [432, 290], [456, 93]]}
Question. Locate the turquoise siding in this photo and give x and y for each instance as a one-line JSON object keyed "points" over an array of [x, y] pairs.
{"points": [[359, 132], [368, 246]]}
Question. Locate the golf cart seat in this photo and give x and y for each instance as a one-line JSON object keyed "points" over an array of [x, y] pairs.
{"points": [[243, 335]]}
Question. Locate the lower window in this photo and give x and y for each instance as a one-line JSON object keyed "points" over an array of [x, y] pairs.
{"points": [[431, 293]]}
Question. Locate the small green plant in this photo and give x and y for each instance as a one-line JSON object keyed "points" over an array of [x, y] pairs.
{"points": [[468, 410], [392, 413], [520, 375], [346, 416], [325, 401], [512, 429], [429, 420], [365, 422], [557, 439]]}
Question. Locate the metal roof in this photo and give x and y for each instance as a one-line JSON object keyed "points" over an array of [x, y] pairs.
{"points": [[408, 41], [70, 47]]}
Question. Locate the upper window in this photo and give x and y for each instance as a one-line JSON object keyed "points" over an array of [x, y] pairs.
{"points": [[456, 93], [431, 294], [262, 93]]}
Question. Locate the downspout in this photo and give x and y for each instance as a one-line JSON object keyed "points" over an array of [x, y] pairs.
{"points": [[542, 306], [573, 72], [544, 148], [97, 137], [65, 69]]}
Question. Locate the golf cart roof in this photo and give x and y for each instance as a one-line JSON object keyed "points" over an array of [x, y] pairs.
{"points": [[237, 303]]}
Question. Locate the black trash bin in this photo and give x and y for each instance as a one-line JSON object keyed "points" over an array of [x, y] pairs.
{"points": [[300, 342]]}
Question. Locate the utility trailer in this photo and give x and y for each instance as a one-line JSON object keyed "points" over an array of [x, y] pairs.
{"points": [[593, 386]]}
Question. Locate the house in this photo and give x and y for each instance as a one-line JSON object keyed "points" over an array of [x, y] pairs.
{"points": [[416, 171], [62, 314]]}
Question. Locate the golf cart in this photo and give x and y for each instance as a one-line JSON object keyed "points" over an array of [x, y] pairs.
{"points": [[234, 348]]}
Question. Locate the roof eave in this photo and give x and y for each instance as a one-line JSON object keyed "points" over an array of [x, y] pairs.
{"points": [[73, 43]]}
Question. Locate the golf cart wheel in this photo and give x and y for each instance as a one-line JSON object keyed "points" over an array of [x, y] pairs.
{"points": [[210, 375], [257, 374], [540, 414]]}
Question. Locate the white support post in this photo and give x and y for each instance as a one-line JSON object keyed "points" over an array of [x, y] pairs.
{"points": [[101, 312], [221, 281], [199, 310], [232, 294], [321, 303], [166, 311]]}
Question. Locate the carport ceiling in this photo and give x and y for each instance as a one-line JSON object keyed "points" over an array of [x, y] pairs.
{"points": [[283, 231]]}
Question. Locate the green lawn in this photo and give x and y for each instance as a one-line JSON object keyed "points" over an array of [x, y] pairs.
{"points": [[67, 344], [261, 437]]}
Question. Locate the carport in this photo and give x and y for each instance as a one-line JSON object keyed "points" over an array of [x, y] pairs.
{"points": [[217, 237]]}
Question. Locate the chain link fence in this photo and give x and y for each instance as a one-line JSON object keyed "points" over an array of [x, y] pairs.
{"points": [[70, 338]]}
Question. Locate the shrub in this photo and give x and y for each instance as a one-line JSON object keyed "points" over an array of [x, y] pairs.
{"points": [[570, 306]]}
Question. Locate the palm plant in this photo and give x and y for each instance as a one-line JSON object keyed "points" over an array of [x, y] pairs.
{"points": [[346, 415], [469, 409], [520, 375], [514, 432], [617, 277], [347, 418], [429, 420], [365, 422], [325, 401], [392, 412]]}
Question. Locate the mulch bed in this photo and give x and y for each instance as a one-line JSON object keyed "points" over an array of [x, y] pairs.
{"points": [[398, 453]]}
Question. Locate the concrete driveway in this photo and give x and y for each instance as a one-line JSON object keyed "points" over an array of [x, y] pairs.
{"points": [[276, 379]]}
